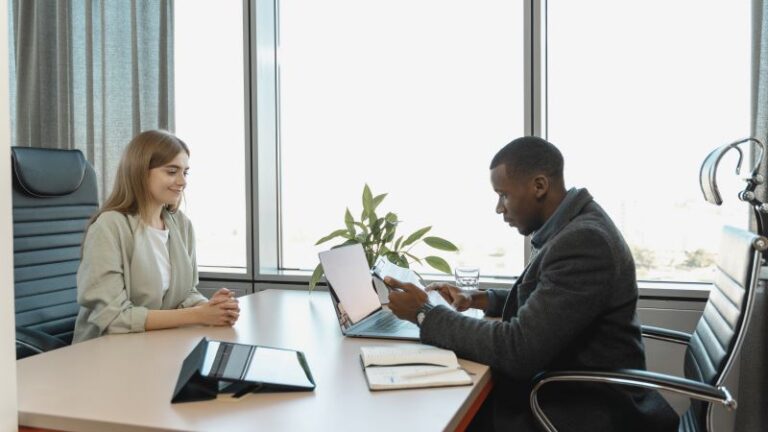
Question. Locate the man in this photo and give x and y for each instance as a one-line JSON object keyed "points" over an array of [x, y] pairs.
{"points": [[572, 308]]}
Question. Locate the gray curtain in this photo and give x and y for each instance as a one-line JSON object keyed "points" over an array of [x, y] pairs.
{"points": [[90, 74], [752, 414]]}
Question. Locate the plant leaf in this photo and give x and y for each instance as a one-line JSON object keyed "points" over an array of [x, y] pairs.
{"points": [[393, 257], [389, 229], [440, 244], [346, 243], [378, 199], [416, 235], [368, 245], [375, 225], [397, 259], [391, 218], [362, 227], [397, 243], [438, 264], [349, 222], [316, 275], [367, 199], [413, 257], [334, 234]]}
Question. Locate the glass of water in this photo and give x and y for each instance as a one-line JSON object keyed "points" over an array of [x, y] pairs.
{"points": [[467, 278]]}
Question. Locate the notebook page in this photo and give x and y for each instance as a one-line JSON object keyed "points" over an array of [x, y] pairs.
{"points": [[397, 377], [407, 355]]}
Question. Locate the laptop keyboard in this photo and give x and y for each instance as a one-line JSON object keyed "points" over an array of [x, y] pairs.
{"points": [[384, 323]]}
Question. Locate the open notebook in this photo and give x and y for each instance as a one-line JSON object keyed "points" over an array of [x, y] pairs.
{"points": [[411, 366]]}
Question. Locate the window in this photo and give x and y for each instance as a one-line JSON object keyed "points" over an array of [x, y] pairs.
{"points": [[412, 98], [639, 93], [209, 89]]}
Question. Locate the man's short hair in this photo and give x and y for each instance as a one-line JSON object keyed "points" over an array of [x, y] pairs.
{"points": [[529, 156]]}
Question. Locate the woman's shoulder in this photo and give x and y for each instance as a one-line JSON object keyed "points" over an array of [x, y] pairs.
{"points": [[180, 219], [112, 220]]}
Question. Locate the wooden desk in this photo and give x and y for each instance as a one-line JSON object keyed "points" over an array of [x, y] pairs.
{"points": [[125, 382]]}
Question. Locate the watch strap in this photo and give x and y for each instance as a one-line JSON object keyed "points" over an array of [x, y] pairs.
{"points": [[421, 313]]}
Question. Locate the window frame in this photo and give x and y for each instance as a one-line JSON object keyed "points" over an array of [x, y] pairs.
{"points": [[262, 150]]}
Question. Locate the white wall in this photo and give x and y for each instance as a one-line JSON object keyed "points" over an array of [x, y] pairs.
{"points": [[8, 413]]}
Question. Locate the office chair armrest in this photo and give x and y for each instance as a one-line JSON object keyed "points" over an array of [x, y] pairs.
{"points": [[630, 377], [30, 342], [666, 335]]}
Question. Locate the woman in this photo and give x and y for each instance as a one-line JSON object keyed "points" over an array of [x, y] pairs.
{"points": [[138, 270]]}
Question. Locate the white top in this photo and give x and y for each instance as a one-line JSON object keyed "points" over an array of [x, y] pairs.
{"points": [[158, 239]]}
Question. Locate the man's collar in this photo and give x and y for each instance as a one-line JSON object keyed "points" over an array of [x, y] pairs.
{"points": [[572, 204]]}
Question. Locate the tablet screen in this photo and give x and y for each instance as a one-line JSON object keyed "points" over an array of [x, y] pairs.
{"points": [[258, 364], [278, 366]]}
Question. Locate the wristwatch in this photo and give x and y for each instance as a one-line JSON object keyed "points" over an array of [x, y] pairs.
{"points": [[421, 313]]}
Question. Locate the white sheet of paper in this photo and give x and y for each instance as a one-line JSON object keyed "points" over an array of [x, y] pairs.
{"points": [[436, 299], [384, 267], [347, 270]]}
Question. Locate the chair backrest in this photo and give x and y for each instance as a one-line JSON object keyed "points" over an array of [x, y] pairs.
{"points": [[720, 331], [54, 195]]}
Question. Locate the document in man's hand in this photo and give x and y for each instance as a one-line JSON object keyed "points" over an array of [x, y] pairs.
{"points": [[411, 366], [384, 267]]}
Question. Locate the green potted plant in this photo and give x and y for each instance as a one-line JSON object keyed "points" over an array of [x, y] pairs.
{"points": [[377, 236]]}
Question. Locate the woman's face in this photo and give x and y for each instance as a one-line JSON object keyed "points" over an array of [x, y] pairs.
{"points": [[167, 182]]}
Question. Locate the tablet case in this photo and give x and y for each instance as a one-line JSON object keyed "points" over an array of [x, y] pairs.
{"points": [[193, 386]]}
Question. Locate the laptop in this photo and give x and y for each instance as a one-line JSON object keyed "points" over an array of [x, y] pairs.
{"points": [[355, 299]]}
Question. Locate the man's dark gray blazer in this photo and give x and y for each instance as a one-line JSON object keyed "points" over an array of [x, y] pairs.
{"points": [[573, 308]]}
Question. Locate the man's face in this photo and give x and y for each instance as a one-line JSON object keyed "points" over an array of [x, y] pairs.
{"points": [[519, 201]]}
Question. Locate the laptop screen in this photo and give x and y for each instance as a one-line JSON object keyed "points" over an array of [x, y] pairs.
{"points": [[347, 271]]}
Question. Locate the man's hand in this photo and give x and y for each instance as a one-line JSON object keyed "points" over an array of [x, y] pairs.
{"points": [[406, 299], [460, 299]]}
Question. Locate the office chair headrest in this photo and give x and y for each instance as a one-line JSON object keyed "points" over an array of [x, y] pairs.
{"points": [[48, 172], [708, 175], [708, 171]]}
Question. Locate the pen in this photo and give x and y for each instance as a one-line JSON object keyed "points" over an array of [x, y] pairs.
{"points": [[430, 372]]}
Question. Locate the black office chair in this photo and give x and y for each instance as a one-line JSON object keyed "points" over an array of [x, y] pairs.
{"points": [[717, 338], [711, 348], [54, 195]]}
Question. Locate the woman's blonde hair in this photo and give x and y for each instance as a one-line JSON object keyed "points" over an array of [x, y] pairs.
{"points": [[130, 194]]}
